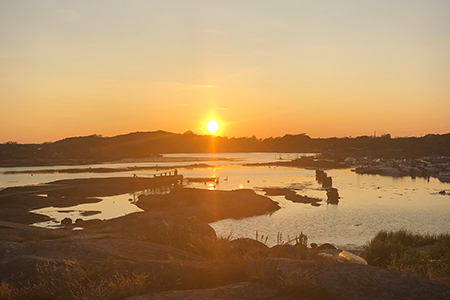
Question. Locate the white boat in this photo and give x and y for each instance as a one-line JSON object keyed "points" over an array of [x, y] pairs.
{"points": [[390, 171], [444, 177], [348, 257]]}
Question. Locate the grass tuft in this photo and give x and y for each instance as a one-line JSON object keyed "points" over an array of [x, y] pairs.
{"points": [[63, 283]]}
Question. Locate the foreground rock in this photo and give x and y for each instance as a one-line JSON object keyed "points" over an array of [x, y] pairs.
{"points": [[210, 206], [167, 253], [237, 291], [156, 227], [145, 251], [330, 280], [159, 255], [17, 232]]}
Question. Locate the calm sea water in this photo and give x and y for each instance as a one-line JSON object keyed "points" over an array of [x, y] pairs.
{"points": [[368, 204]]}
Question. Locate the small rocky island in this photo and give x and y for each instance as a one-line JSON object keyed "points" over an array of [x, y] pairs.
{"points": [[170, 252], [209, 206]]}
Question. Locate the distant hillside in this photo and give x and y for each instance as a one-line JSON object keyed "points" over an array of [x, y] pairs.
{"points": [[94, 148]]}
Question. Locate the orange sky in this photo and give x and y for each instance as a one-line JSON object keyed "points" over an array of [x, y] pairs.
{"points": [[263, 68]]}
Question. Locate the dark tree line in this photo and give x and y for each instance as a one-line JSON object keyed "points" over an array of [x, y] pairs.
{"points": [[95, 148]]}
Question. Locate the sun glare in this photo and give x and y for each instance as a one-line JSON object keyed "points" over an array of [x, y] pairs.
{"points": [[212, 126]]}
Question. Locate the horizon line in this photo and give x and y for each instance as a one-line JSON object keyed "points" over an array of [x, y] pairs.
{"points": [[218, 136]]}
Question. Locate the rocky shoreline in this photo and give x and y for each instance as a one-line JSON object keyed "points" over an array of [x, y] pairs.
{"points": [[166, 256], [107, 169], [306, 162], [170, 252]]}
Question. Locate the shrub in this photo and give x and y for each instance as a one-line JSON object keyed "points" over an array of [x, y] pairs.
{"points": [[401, 250]]}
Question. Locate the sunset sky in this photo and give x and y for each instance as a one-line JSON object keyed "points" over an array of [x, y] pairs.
{"points": [[263, 68]]}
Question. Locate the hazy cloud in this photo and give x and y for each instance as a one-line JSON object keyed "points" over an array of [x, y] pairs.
{"points": [[148, 84], [216, 32], [199, 86], [68, 15], [259, 40], [279, 24], [263, 54]]}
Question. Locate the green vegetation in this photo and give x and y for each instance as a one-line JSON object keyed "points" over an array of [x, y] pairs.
{"points": [[423, 255]]}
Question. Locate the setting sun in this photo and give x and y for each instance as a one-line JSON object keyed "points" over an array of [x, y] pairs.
{"points": [[212, 126]]}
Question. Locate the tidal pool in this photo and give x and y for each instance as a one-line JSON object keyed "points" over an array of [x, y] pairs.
{"points": [[368, 204]]}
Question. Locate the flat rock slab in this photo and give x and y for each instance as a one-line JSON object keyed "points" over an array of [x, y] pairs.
{"points": [[237, 291], [335, 281], [11, 231], [291, 195], [100, 250], [110, 186], [16, 203]]}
